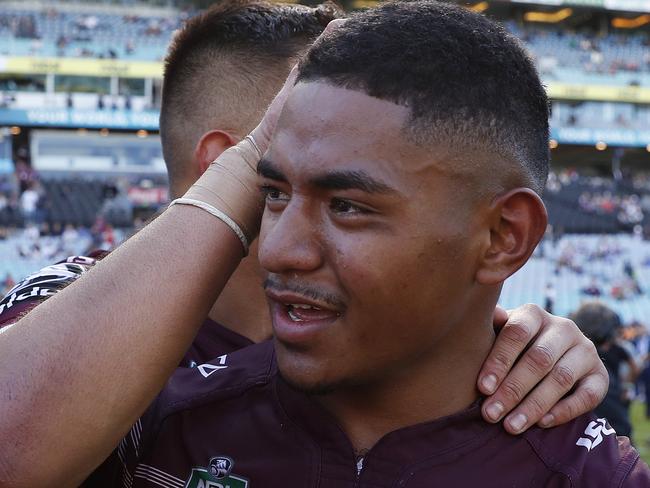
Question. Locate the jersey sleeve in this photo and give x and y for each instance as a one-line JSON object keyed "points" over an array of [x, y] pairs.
{"points": [[41, 285], [118, 469], [638, 476]]}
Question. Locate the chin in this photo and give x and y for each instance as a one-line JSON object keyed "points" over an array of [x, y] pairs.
{"points": [[311, 379], [304, 373], [310, 388]]}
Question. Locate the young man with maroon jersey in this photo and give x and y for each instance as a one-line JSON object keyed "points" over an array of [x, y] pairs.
{"points": [[404, 177], [163, 317]]}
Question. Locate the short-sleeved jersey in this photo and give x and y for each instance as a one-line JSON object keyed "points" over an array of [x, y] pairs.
{"points": [[237, 424]]}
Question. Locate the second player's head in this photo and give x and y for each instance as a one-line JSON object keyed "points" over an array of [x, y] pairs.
{"points": [[221, 72]]}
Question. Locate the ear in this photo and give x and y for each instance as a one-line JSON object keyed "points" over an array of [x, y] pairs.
{"points": [[518, 222], [210, 147]]}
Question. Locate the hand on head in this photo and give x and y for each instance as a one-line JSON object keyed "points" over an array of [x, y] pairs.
{"points": [[263, 133], [228, 188]]}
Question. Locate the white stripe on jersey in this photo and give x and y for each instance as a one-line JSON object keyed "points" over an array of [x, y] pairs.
{"points": [[136, 430], [158, 477], [127, 480], [120, 451]]}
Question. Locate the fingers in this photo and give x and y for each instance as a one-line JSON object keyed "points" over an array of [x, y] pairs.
{"points": [[522, 326], [333, 24], [535, 364], [500, 317], [588, 394], [546, 394], [264, 130]]}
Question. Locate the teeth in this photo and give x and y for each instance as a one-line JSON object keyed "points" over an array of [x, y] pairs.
{"points": [[293, 317], [303, 306]]}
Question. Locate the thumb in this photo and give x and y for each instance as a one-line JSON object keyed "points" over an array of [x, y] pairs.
{"points": [[264, 131], [499, 318]]}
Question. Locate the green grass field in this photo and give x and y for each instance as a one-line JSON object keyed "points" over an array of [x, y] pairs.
{"points": [[640, 430]]}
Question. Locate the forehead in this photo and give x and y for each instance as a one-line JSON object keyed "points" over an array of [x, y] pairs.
{"points": [[323, 126]]}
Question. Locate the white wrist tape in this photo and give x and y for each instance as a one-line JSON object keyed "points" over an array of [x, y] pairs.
{"points": [[218, 214]]}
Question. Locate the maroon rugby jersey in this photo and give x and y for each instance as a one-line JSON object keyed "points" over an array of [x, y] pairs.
{"points": [[236, 424]]}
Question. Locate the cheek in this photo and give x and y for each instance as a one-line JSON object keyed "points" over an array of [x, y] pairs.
{"points": [[400, 279]]}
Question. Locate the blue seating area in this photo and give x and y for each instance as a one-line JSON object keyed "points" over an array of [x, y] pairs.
{"points": [[528, 284], [593, 205], [587, 58], [579, 58], [601, 115], [18, 266], [85, 34]]}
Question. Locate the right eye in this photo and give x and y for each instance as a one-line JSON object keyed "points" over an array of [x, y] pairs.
{"points": [[274, 196]]}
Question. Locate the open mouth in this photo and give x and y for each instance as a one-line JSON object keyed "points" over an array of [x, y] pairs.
{"points": [[301, 312], [297, 319]]}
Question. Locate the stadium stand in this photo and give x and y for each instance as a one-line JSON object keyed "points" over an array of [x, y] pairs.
{"points": [[588, 58], [580, 204], [583, 267], [58, 31]]}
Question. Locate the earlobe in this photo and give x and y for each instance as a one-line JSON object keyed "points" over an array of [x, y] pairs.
{"points": [[518, 223], [211, 145]]}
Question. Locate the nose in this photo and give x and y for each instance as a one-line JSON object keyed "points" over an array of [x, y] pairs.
{"points": [[289, 240]]}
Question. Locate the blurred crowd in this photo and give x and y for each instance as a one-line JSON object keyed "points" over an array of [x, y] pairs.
{"points": [[626, 198], [79, 34], [625, 350]]}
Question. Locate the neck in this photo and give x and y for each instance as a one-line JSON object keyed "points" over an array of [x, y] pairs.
{"points": [[440, 385], [242, 305]]}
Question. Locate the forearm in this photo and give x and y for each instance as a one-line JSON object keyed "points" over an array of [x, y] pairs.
{"points": [[91, 359]]}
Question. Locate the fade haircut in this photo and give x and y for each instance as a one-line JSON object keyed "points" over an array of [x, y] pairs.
{"points": [[224, 67], [467, 83]]}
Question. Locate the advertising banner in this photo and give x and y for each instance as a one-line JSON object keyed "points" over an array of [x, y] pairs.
{"points": [[589, 137], [89, 119], [81, 67], [621, 5], [601, 93]]}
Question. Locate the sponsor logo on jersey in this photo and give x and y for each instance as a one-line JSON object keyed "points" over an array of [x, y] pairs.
{"points": [[208, 369], [595, 432], [218, 474]]}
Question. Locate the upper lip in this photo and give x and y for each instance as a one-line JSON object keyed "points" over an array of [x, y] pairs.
{"points": [[291, 298]]}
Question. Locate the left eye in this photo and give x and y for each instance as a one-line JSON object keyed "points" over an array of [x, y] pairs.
{"points": [[345, 207]]}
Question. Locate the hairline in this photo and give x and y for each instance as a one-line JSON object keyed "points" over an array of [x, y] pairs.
{"points": [[459, 146]]}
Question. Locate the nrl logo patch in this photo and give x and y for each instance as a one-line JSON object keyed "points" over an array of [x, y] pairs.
{"points": [[216, 475]]}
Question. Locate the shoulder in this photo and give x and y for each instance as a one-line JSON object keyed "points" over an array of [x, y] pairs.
{"points": [[212, 340], [42, 284], [225, 376], [589, 453]]}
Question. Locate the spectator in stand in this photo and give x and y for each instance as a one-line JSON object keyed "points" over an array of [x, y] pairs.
{"points": [[129, 47], [69, 240], [600, 324], [29, 203], [549, 297], [8, 283], [26, 174]]}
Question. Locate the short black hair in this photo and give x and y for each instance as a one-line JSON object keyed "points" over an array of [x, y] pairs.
{"points": [[465, 80], [597, 321], [274, 30], [225, 64]]}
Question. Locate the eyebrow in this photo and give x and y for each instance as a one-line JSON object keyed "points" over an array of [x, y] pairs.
{"points": [[332, 180], [268, 170], [350, 180]]}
